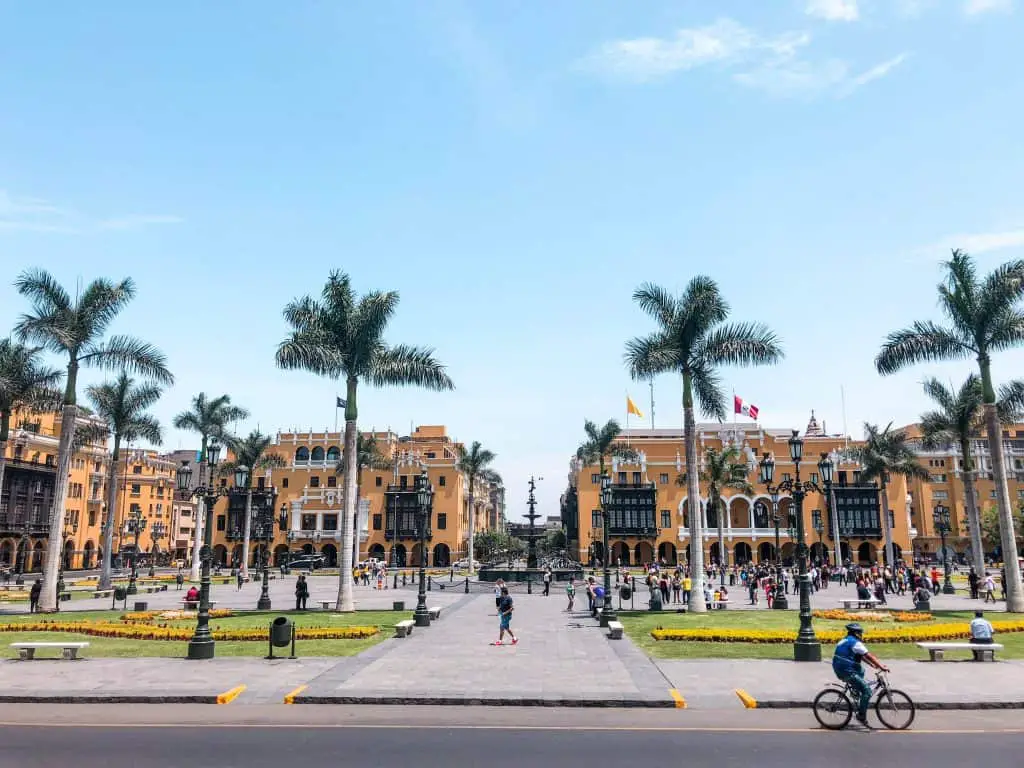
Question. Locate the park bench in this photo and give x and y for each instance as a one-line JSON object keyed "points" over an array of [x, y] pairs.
{"points": [[435, 613], [102, 593], [721, 604], [981, 651], [615, 630], [325, 604], [193, 605], [69, 650], [856, 602], [64, 596], [404, 628]]}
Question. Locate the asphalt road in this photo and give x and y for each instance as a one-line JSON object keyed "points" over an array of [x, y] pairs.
{"points": [[225, 737]]}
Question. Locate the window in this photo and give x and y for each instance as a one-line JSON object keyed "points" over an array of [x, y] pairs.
{"points": [[314, 482], [856, 475], [666, 518], [221, 522], [92, 519], [284, 482], [223, 482], [442, 480], [622, 478], [49, 460], [376, 522], [814, 477], [637, 478], [786, 476], [595, 519], [992, 493], [442, 521], [377, 481], [137, 469], [261, 483], [842, 476], [403, 482], [663, 478], [317, 454], [431, 455], [937, 478], [332, 481], [595, 478], [330, 522], [136, 489], [309, 522], [940, 495]]}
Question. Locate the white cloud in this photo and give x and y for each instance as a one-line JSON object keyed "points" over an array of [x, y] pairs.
{"points": [[795, 78], [978, 7], [875, 73], [833, 10], [33, 214]]}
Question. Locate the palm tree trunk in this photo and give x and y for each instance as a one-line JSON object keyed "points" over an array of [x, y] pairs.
{"points": [[65, 449], [471, 500], [5, 433], [697, 604], [245, 534], [350, 448], [887, 524], [108, 524], [355, 519], [721, 539], [199, 523], [971, 502]]}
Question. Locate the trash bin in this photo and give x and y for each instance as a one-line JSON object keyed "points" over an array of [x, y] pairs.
{"points": [[625, 592], [280, 632], [141, 606], [398, 605], [120, 593]]}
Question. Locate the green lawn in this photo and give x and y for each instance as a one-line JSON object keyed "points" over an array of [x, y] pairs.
{"points": [[113, 647], [638, 626]]}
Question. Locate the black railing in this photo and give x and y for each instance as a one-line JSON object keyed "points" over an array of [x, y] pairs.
{"points": [[642, 531], [408, 533], [35, 466]]}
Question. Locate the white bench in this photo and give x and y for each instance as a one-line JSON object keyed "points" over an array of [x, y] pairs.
{"points": [[720, 604], [193, 605], [325, 604], [435, 613], [27, 651], [404, 628], [615, 630], [856, 602], [102, 593], [981, 651]]}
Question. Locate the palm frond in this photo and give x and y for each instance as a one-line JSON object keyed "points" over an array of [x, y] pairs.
{"points": [[647, 356], [144, 427], [373, 312], [740, 344], [315, 354], [922, 342], [128, 354], [1000, 291], [403, 364], [100, 302], [657, 302], [1006, 330], [707, 387], [43, 290], [1010, 402]]}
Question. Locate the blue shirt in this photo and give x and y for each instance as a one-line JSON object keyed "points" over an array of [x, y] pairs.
{"points": [[847, 657]]}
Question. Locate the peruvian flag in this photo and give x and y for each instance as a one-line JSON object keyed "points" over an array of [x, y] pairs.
{"points": [[747, 409]]}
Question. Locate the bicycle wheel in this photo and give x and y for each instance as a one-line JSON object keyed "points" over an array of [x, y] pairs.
{"points": [[833, 709], [895, 709]]}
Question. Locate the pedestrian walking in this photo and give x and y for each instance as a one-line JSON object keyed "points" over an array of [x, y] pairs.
{"points": [[179, 580], [37, 590], [498, 586], [990, 588], [570, 592], [239, 578], [505, 608], [301, 593], [547, 582]]}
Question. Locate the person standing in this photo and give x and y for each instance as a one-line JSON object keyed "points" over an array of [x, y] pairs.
{"points": [[972, 581], [37, 590], [239, 578], [570, 592], [547, 582], [301, 593], [505, 608], [990, 588]]}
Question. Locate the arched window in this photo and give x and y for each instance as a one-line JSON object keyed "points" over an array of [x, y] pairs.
{"points": [[334, 453], [318, 454], [302, 454]]}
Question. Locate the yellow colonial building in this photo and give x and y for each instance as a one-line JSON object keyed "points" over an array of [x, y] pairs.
{"points": [[28, 493], [945, 486], [651, 517], [308, 500]]}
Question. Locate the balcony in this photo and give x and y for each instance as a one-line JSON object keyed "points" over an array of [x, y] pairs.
{"points": [[14, 525], [34, 466], [641, 531]]}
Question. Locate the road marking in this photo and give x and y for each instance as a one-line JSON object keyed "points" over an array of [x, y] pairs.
{"points": [[228, 696], [290, 698], [678, 697], [748, 701]]}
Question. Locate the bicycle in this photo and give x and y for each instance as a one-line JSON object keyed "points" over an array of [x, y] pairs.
{"points": [[834, 706]]}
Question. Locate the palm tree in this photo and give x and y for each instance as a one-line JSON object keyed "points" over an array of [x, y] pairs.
{"points": [[75, 329], [122, 405], [208, 418], [474, 466], [249, 452], [341, 336], [604, 442], [693, 339], [956, 421], [985, 317], [885, 453], [722, 469], [368, 456], [25, 384]]}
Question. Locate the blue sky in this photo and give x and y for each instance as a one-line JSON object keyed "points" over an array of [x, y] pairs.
{"points": [[515, 170]]}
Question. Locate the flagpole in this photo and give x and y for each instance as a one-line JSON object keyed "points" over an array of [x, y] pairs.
{"points": [[335, 411], [652, 404], [627, 419]]}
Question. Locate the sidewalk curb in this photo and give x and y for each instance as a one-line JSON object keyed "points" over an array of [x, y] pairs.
{"points": [[112, 698], [920, 705], [487, 701]]}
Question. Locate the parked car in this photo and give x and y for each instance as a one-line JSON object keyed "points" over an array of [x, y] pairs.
{"points": [[310, 562], [463, 564]]}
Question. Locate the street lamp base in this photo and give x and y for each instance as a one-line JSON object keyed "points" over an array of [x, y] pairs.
{"points": [[806, 650], [780, 603], [263, 604], [606, 616], [948, 589], [422, 618], [201, 649], [132, 590]]}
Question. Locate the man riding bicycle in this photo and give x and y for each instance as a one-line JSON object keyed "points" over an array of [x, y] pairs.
{"points": [[846, 663]]}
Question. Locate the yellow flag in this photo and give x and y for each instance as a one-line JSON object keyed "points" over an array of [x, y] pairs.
{"points": [[631, 407]]}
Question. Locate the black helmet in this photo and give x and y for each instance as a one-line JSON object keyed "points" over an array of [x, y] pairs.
{"points": [[855, 629]]}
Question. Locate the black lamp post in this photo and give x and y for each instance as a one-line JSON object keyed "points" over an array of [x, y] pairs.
{"points": [[424, 498], [807, 647], [607, 495], [780, 602], [155, 534], [819, 526], [23, 552], [264, 535], [136, 524], [940, 516], [201, 646]]}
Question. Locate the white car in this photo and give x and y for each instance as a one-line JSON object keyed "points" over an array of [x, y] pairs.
{"points": [[464, 564]]}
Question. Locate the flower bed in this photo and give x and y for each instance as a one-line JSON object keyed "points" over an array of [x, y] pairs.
{"points": [[146, 617], [907, 617], [145, 632], [901, 635]]}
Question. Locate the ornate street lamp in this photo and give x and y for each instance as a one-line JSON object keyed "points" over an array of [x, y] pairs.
{"points": [[940, 516], [424, 498], [24, 543], [201, 646], [807, 647], [780, 602], [265, 534], [135, 523], [607, 496], [155, 534]]}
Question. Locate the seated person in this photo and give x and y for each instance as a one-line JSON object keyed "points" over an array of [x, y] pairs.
{"points": [[724, 594], [863, 593], [981, 629], [192, 596], [922, 596]]}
